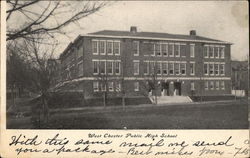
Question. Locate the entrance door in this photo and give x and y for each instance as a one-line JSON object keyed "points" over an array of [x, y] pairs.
{"points": [[165, 88], [177, 88]]}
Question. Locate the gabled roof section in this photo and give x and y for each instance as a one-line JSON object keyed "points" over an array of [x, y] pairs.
{"points": [[153, 35]]}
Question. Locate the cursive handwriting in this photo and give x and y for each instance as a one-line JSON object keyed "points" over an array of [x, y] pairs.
{"points": [[203, 143], [22, 140], [56, 141]]}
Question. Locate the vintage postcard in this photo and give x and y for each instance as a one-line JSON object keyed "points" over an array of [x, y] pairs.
{"points": [[124, 79]]}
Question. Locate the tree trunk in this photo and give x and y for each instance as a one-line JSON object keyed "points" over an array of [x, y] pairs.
{"points": [[104, 99], [45, 109]]}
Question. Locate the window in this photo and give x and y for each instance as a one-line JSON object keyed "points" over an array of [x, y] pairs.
{"points": [[222, 52], [222, 85], [222, 69], [177, 68], [135, 48], [109, 47], [205, 68], [95, 47], [192, 85], [217, 85], [79, 51], [146, 67], [95, 86], [102, 48], [211, 51], [158, 49], [136, 86], [152, 67], [206, 51], [102, 67], [216, 69], [103, 87], [136, 67], [171, 68], [211, 85], [164, 49], [192, 68], [211, 69], [118, 86], [183, 68], [206, 85], [216, 52], [192, 53], [80, 69], [111, 86], [117, 67], [116, 48], [110, 67], [171, 49], [183, 50], [152, 48], [158, 68], [165, 68], [95, 67], [177, 50]]}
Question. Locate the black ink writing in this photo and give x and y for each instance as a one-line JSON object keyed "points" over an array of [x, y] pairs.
{"points": [[203, 143], [56, 141], [22, 140]]}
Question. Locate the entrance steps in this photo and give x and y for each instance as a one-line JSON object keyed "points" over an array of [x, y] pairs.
{"points": [[171, 99]]}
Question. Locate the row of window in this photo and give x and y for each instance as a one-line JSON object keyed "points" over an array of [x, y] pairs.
{"points": [[164, 49], [116, 86], [104, 47], [211, 85], [163, 67], [106, 86], [112, 47], [212, 51], [109, 67], [214, 68], [214, 85]]}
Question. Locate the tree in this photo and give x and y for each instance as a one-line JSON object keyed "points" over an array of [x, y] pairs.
{"points": [[39, 57], [18, 72], [151, 83], [45, 17]]}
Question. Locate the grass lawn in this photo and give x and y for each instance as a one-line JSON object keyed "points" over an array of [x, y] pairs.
{"points": [[219, 115]]}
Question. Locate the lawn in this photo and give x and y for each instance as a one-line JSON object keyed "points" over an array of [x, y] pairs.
{"points": [[217, 115]]}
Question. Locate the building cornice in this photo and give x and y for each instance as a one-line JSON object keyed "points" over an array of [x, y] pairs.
{"points": [[153, 38]]}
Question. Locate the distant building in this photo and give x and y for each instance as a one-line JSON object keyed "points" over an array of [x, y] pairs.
{"points": [[240, 76], [128, 61]]}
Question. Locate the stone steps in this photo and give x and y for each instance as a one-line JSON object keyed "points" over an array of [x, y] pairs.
{"points": [[171, 99]]}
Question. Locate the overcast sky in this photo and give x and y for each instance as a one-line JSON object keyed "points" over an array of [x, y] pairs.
{"points": [[223, 20]]}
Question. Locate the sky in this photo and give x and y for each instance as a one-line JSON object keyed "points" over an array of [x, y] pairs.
{"points": [[222, 20]]}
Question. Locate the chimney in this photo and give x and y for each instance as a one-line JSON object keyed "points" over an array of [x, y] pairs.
{"points": [[133, 29], [192, 33]]}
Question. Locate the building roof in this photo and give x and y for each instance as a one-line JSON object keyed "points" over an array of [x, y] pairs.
{"points": [[155, 35]]}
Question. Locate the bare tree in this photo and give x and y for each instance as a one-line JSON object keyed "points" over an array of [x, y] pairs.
{"points": [[46, 17], [151, 84], [18, 72], [38, 57]]}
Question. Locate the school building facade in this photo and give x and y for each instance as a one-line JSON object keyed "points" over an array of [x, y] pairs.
{"points": [[133, 63]]}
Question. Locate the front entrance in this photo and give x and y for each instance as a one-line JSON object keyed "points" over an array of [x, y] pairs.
{"points": [[174, 88], [177, 88], [165, 89]]}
